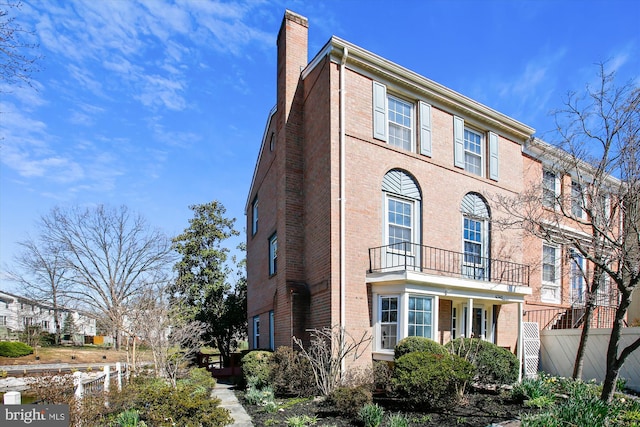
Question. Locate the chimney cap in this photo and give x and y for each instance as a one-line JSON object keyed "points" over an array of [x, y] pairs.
{"points": [[292, 16]]}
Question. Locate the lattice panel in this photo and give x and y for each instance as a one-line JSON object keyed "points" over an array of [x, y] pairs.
{"points": [[531, 347]]}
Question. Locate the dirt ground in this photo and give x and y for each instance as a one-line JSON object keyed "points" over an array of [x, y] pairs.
{"points": [[67, 355], [477, 410]]}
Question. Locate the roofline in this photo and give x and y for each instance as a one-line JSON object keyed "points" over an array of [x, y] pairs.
{"points": [[22, 299], [255, 169], [377, 65], [555, 156]]}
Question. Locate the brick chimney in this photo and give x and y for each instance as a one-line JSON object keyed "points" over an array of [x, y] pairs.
{"points": [[289, 303], [292, 58]]}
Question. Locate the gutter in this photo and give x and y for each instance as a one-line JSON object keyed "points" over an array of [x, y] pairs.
{"points": [[345, 54]]}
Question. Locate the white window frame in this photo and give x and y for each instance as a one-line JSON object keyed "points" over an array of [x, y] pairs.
{"points": [[577, 267], [577, 200], [380, 324], [551, 287], [392, 123], [272, 335], [431, 315], [412, 229], [254, 216], [546, 190], [483, 248], [256, 332], [454, 322], [273, 254], [469, 153], [382, 121], [3, 320]]}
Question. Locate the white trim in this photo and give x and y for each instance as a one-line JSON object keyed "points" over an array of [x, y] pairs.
{"points": [[360, 58], [556, 285], [256, 332], [412, 127], [272, 335]]}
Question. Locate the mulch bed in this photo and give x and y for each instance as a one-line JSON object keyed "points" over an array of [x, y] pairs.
{"points": [[477, 410]]}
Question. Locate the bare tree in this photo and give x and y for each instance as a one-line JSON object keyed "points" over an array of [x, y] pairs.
{"points": [[39, 271], [111, 256], [173, 337], [330, 347], [596, 216], [17, 62]]}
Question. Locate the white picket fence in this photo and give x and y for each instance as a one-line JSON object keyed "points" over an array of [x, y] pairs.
{"points": [[558, 354], [111, 376]]}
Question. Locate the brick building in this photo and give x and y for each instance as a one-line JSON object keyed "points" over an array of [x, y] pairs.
{"points": [[370, 207]]}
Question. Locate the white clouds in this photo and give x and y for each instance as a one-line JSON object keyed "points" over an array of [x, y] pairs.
{"points": [[162, 91], [100, 40]]}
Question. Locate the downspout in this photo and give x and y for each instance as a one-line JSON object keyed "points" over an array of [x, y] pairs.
{"points": [[345, 53]]}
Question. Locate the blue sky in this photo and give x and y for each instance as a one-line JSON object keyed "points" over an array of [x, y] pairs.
{"points": [[159, 105]]}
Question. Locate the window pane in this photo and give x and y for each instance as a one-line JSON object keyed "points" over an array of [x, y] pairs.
{"points": [[419, 316], [473, 152], [400, 123], [388, 322], [576, 199], [549, 264], [548, 188], [400, 221]]}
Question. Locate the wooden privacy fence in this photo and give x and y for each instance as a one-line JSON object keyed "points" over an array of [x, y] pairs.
{"points": [[558, 354]]}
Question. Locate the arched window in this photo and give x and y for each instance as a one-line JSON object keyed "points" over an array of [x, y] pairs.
{"points": [[475, 237], [402, 209]]}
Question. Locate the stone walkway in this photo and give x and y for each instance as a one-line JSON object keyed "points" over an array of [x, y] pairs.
{"points": [[229, 401]]}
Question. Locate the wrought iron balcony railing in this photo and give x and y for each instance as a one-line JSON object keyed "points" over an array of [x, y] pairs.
{"points": [[427, 259]]}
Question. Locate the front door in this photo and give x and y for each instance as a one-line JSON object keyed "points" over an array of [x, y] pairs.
{"points": [[478, 322]]}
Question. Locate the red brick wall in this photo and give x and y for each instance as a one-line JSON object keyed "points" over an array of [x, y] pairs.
{"points": [[298, 189]]}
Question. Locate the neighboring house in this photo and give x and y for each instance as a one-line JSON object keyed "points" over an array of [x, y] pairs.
{"points": [[17, 312], [368, 207]]}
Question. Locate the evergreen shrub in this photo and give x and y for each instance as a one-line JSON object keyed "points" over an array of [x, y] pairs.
{"points": [[433, 380], [494, 364], [411, 344], [256, 368], [14, 349], [189, 404]]}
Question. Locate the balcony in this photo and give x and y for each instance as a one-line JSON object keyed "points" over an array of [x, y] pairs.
{"points": [[426, 259]]}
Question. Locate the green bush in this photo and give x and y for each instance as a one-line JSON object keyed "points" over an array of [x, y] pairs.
{"points": [[302, 421], [494, 365], [14, 349], [532, 388], [130, 418], [432, 380], [291, 374], [397, 420], [348, 401], [256, 368], [189, 404], [591, 412], [371, 415], [411, 344], [259, 397]]}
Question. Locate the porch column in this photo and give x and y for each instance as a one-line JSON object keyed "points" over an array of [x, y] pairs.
{"points": [[469, 318], [520, 341], [435, 312]]}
